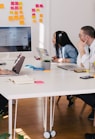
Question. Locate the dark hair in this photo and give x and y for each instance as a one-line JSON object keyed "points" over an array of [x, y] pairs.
{"points": [[62, 39], [89, 30]]}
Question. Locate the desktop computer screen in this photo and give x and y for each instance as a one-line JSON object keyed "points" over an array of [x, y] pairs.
{"points": [[15, 39]]}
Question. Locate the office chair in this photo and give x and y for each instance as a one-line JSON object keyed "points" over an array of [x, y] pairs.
{"points": [[58, 100], [71, 101], [82, 110]]}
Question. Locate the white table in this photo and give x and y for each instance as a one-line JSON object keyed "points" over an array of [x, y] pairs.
{"points": [[57, 82]]}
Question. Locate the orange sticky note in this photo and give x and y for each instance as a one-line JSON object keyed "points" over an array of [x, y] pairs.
{"points": [[21, 22], [34, 21], [40, 20], [41, 15], [1, 6], [21, 17], [20, 12], [10, 18], [16, 17], [16, 12], [46, 70], [20, 8]]}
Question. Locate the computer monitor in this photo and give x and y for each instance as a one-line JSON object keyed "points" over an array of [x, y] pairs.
{"points": [[15, 40]]}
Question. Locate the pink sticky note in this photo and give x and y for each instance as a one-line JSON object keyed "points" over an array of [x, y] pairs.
{"points": [[12, 8], [16, 7], [41, 5], [39, 82], [37, 6], [33, 10], [16, 3], [12, 3]]}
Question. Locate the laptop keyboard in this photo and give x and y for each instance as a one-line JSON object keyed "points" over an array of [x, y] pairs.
{"points": [[68, 67]]}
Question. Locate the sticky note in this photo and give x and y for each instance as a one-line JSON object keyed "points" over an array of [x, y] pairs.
{"points": [[39, 82]]}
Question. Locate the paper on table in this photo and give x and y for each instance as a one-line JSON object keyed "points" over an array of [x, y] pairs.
{"points": [[23, 79]]}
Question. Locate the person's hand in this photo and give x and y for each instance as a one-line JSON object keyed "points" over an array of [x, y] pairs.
{"points": [[57, 60], [6, 72], [54, 57], [81, 46]]}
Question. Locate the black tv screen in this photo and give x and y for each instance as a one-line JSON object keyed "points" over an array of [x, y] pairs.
{"points": [[15, 39]]}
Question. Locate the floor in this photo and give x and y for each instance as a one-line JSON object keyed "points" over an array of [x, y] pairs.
{"points": [[67, 123]]}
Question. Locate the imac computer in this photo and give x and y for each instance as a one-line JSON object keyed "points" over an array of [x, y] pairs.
{"points": [[15, 40]]}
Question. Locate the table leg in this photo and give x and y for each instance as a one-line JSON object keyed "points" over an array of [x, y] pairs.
{"points": [[15, 118], [50, 133], [52, 110], [10, 118]]}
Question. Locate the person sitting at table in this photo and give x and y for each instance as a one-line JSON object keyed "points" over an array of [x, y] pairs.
{"points": [[3, 100], [66, 52], [87, 41], [3, 106]]}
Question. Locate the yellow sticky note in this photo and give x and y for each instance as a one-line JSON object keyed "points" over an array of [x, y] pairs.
{"points": [[11, 12], [33, 16], [37, 10], [20, 3]]}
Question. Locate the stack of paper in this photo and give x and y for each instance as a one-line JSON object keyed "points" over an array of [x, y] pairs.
{"points": [[22, 79]]}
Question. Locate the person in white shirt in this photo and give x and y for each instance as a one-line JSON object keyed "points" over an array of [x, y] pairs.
{"points": [[86, 49]]}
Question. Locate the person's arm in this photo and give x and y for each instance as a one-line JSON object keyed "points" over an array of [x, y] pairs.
{"points": [[83, 57], [70, 54]]}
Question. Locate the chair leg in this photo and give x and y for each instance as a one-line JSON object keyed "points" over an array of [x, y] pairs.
{"points": [[82, 110], [58, 99]]}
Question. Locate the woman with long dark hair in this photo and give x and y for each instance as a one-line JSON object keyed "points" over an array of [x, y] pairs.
{"points": [[66, 52]]}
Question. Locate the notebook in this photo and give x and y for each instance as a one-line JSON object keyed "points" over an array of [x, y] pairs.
{"points": [[22, 79], [16, 67], [71, 67]]}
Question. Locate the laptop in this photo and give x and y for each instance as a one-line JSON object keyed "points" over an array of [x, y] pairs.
{"points": [[43, 53], [16, 67], [71, 67]]}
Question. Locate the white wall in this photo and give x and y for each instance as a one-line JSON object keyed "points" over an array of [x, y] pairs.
{"points": [[28, 5], [70, 16], [66, 15]]}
